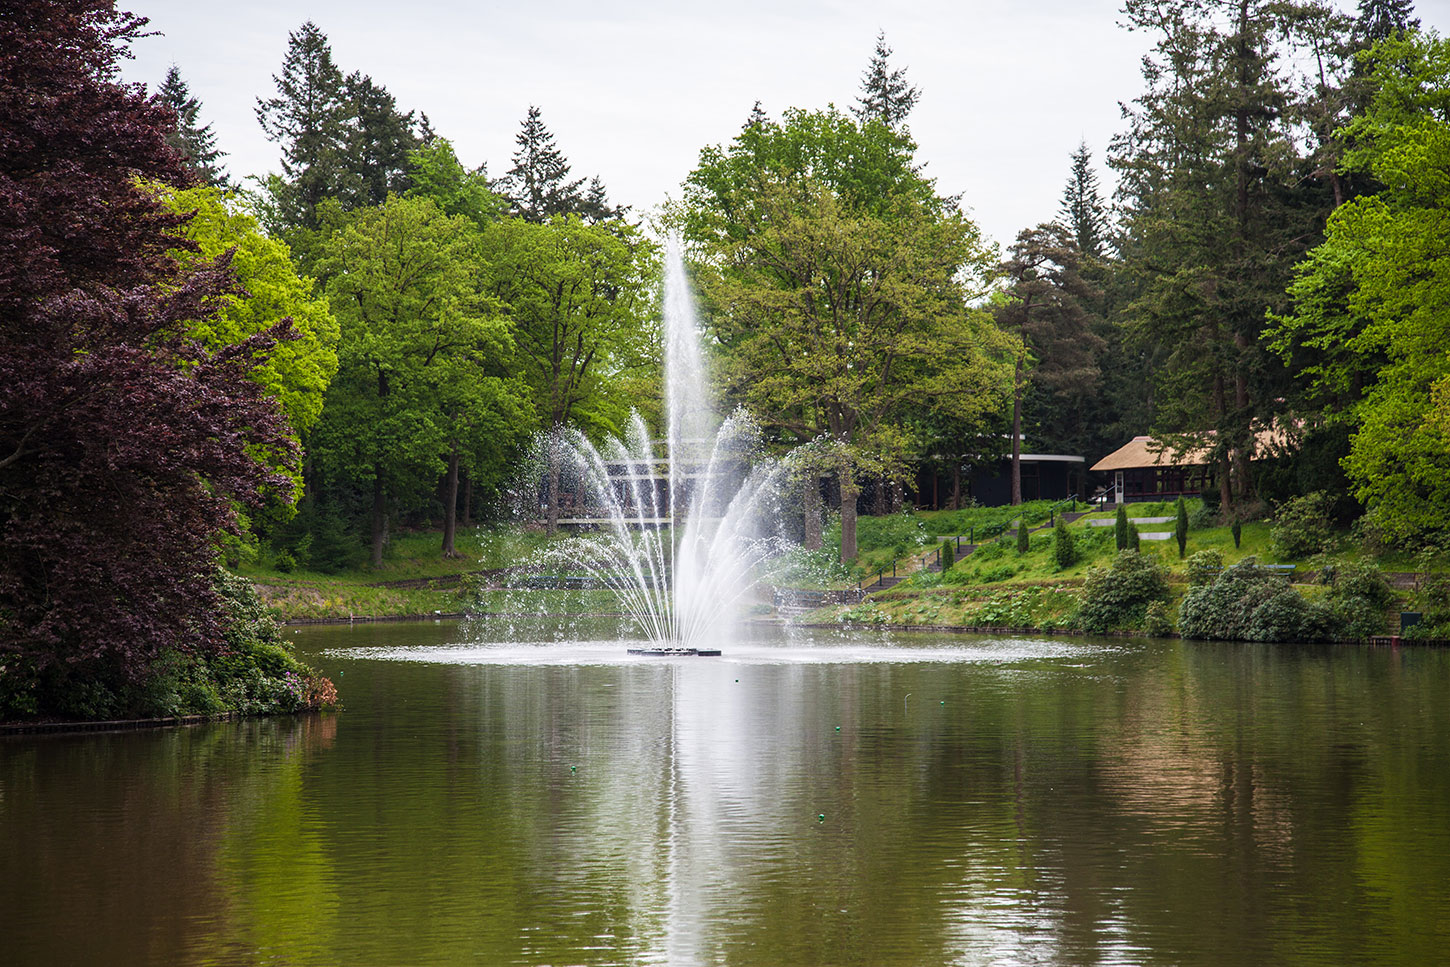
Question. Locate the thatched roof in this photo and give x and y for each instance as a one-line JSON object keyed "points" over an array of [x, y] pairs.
{"points": [[1143, 452]]}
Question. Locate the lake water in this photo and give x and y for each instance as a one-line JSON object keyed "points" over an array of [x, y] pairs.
{"points": [[852, 799]]}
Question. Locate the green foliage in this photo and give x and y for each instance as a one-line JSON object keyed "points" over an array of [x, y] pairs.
{"points": [[1024, 537], [1367, 328], [1118, 596], [1120, 527], [1249, 603], [298, 371], [1238, 531], [1204, 567], [1134, 539], [1302, 526], [1157, 620], [1359, 597], [1064, 547], [948, 556], [1180, 527]]}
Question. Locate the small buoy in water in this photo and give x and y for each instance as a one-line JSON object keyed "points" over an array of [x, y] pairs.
{"points": [[573, 768], [821, 818], [838, 728], [943, 702]]}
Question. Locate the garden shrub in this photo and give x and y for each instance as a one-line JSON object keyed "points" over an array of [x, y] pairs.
{"points": [[1024, 538], [948, 556], [1301, 526], [1250, 603], [1157, 622], [1134, 538], [1360, 596], [1202, 518], [1237, 529], [1064, 548], [1119, 595], [1180, 527], [1120, 527], [1204, 566]]}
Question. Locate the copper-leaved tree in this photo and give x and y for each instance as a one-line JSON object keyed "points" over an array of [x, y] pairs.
{"points": [[124, 445]]}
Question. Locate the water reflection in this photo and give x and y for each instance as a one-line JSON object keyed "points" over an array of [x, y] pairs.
{"points": [[790, 803]]}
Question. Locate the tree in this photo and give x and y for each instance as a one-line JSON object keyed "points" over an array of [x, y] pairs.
{"points": [[1180, 527], [538, 185], [1217, 208], [1064, 548], [423, 383], [123, 443], [1024, 537], [195, 142], [837, 285], [1047, 308], [435, 172], [1381, 19], [1120, 527], [1083, 211], [378, 142], [885, 94], [1367, 332], [577, 296], [298, 371], [309, 118]]}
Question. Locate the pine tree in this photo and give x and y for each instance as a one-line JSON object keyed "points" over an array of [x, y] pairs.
{"points": [[1083, 210], [309, 119], [379, 141], [1379, 19], [757, 119], [538, 184], [885, 94], [196, 143]]}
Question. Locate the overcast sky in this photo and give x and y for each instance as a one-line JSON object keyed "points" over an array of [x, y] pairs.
{"points": [[632, 90]]}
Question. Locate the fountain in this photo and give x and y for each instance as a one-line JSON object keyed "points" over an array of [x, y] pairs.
{"points": [[681, 536]]}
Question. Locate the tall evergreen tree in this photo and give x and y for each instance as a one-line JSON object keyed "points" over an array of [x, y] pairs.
{"points": [[1083, 210], [378, 141], [1050, 311], [195, 142], [885, 94], [538, 185], [309, 119], [1217, 208], [1379, 19]]}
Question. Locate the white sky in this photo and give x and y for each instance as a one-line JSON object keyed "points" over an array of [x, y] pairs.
{"points": [[633, 89]]}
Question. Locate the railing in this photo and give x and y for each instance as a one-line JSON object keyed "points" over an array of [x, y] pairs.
{"points": [[932, 558]]}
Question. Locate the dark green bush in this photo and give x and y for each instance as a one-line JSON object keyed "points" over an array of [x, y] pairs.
{"points": [[948, 556], [1302, 526], [1134, 538], [1157, 622], [1120, 527], [1118, 596], [1237, 530], [1204, 566], [1180, 527], [1360, 596], [1024, 538], [1064, 548], [1249, 603]]}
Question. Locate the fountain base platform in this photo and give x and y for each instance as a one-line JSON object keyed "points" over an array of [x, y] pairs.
{"points": [[675, 652]]}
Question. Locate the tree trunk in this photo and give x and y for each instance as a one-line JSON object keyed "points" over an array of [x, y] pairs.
{"points": [[467, 500], [1017, 434], [812, 505], [956, 486], [450, 506], [380, 519], [849, 493]]}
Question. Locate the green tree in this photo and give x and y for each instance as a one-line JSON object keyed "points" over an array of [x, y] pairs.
{"points": [[1048, 308], [308, 117], [194, 141], [1024, 536], [1120, 528], [1367, 331], [1083, 210], [423, 383], [1180, 527], [298, 371], [1381, 19], [435, 172], [1217, 209], [538, 185], [885, 94], [838, 285], [379, 142]]}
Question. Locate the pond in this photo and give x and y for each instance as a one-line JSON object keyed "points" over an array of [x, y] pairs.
{"points": [[844, 799]]}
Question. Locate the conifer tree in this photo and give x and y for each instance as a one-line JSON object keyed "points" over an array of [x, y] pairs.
{"points": [[309, 119], [538, 185], [378, 142], [885, 94], [757, 119], [1379, 19], [195, 142], [1083, 210]]}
